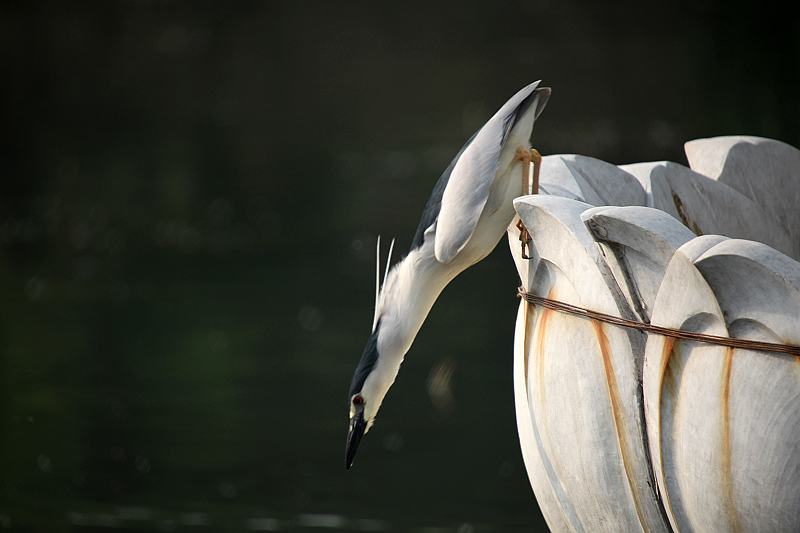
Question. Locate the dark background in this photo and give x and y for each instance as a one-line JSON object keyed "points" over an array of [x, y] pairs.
{"points": [[189, 199]]}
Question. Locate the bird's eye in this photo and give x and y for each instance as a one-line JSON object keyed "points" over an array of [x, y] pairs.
{"points": [[358, 400]]}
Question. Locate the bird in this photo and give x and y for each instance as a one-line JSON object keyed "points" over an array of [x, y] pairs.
{"points": [[465, 217]]}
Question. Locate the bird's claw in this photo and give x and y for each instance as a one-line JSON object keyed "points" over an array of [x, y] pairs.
{"points": [[527, 157], [528, 187], [524, 238]]}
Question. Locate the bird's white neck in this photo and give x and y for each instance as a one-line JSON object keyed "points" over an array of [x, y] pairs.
{"points": [[412, 287], [408, 294]]}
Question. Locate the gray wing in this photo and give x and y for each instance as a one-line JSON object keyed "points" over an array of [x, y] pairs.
{"points": [[468, 187]]}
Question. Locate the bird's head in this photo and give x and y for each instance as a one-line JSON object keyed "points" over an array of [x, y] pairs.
{"points": [[371, 381], [379, 362]]}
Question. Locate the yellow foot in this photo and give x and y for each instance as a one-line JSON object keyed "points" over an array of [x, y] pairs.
{"points": [[524, 239], [527, 157]]}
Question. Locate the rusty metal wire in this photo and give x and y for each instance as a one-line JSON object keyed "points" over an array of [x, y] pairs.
{"points": [[555, 305]]}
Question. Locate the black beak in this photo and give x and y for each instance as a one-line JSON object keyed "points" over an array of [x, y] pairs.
{"points": [[357, 428]]}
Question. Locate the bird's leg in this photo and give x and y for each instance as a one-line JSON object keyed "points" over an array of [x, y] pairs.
{"points": [[527, 157], [536, 159]]}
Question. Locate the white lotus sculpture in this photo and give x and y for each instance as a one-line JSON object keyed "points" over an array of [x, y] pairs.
{"points": [[624, 430]]}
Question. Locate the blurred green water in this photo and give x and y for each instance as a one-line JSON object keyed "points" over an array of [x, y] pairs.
{"points": [[189, 199]]}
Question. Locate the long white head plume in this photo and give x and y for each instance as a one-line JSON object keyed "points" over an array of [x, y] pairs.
{"points": [[377, 280], [378, 277]]}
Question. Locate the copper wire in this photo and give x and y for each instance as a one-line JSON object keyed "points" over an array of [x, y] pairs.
{"points": [[555, 305]]}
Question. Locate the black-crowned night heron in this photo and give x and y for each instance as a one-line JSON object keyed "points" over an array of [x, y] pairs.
{"points": [[464, 219]]}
